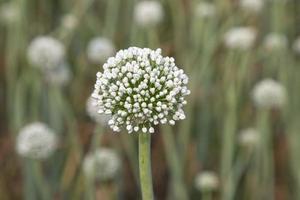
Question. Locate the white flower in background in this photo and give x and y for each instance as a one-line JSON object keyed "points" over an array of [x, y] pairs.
{"points": [[99, 49], [59, 76], [248, 138], [9, 13], [46, 52], [140, 88], [69, 21], [269, 93], [92, 110], [205, 10], [36, 141], [296, 45], [275, 41], [148, 13], [102, 165], [252, 5], [207, 181], [242, 38]]}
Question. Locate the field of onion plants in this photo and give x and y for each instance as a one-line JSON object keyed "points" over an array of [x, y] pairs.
{"points": [[150, 99]]}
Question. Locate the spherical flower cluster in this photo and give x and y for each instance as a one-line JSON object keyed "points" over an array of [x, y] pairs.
{"points": [[59, 76], [296, 45], [9, 13], [252, 5], [242, 38], [140, 88], [46, 52], [248, 138], [269, 93], [92, 110], [207, 181], [99, 49], [205, 10], [69, 21], [103, 165], [36, 141], [148, 13], [275, 41]]}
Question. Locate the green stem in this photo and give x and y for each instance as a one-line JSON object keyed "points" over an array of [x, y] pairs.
{"points": [[145, 166], [176, 168], [207, 196], [267, 162]]}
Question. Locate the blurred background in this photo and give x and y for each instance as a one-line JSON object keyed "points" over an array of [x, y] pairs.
{"points": [[240, 138]]}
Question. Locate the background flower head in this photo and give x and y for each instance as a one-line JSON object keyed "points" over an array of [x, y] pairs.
{"points": [[252, 5], [46, 52], [205, 10], [269, 93], [103, 164], [240, 38], [148, 13], [99, 49], [36, 141], [206, 181]]}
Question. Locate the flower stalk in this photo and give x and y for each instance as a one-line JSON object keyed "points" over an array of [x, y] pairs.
{"points": [[145, 166]]}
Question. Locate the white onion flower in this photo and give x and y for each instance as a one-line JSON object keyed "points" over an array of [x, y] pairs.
{"points": [[69, 21], [296, 45], [9, 13], [269, 93], [59, 76], [205, 10], [99, 49], [275, 41], [46, 52], [36, 141], [140, 88], [92, 110], [248, 138], [148, 13], [102, 165], [207, 181], [242, 38], [252, 5]]}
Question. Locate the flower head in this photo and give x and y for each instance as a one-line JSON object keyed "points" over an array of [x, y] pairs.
{"points": [[69, 21], [252, 5], [296, 45], [240, 38], [92, 110], [46, 52], [275, 41], [269, 93], [59, 76], [148, 13], [9, 13], [205, 10], [248, 138], [140, 88], [99, 49], [36, 141], [103, 165], [207, 181]]}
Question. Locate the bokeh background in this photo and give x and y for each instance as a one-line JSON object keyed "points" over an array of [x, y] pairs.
{"points": [[245, 149]]}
